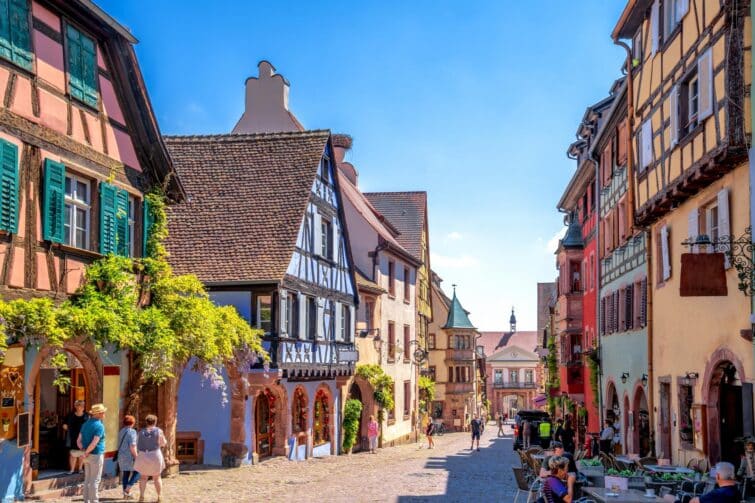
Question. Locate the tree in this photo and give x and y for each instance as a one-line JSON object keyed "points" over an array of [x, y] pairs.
{"points": [[351, 415]]}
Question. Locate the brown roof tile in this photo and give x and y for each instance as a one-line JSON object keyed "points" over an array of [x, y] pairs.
{"points": [[496, 341], [247, 194], [406, 211]]}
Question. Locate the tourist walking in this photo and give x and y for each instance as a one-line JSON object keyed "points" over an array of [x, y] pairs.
{"points": [[92, 441], [567, 437], [149, 458], [500, 425], [372, 434], [127, 455], [476, 427], [429, 432], [72, 426], [526, 434]]}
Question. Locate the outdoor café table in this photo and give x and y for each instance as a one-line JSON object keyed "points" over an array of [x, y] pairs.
{"points": [[629, 496], [670, 469]]}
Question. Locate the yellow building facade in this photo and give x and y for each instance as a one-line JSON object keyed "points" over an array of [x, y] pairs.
{"points": [[689, 123]]}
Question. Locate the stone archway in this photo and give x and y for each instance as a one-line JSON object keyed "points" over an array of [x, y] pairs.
{"points": [[641, 420], [300, 421], [612, 402], [723, 371], [361, 390]]}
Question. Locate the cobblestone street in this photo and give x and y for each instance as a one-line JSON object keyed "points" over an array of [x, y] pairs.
{"points": [[450, 472]]}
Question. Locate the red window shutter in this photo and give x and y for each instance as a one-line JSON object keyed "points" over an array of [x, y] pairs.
{"points": [[621, 144], [644, 303], [603, 316], [606, 164]]}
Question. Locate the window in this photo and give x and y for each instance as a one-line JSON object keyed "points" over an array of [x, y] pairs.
{"points": [[407, 340], [329, 319], [628, 308], [264, 312], [325, 168], [513, 376], [82, 67], [646, 145], [391, 279], [621, 311], [498, 377], [299, 412], [637, 46], [407, 399], [345, 323], [326, 239], [369, 311], [131, 219], [407, 285], [431, 372], [691, 100], [77, 211], [292, 315], [15, 39], [673, 12], [529, 376], [391, 341], [312, 318], [576, 280], [431, 341], [593, 274], [685, 414], [450, 374], [663, 253], [459, 375]]}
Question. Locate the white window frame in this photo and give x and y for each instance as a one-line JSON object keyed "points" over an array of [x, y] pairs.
{"points": [[73, 201], [693, 103], [258, 314]]}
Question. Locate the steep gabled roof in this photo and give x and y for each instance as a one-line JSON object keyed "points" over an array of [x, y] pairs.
{"points": [[493, 342], [457, 315], [247, 195], [407, 212]]}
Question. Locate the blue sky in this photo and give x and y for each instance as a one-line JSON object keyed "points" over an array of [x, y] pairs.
{"points": [[474, 102]]}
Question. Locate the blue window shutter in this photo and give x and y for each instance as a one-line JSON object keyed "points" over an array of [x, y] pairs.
{"points": [[9, 187], [148, 220], [82, 66], [53, 210], [6, 50], [108, 225], [20, 37], [121, 216]]}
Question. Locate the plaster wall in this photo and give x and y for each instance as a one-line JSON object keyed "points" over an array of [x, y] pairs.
{"points": [[687, 331]]}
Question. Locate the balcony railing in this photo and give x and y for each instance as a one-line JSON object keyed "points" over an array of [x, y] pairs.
{"points": [[459, 387], [320, 355], [460, 354], [514, 385]]}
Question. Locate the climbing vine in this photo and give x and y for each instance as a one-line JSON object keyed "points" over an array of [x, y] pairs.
{"points": [[426, 388], [553, 382], [593, 364], [164, 320], [382, 385]]}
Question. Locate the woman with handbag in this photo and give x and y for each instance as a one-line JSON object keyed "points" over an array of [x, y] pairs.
{"points": [[149, 459], [127, 455]]}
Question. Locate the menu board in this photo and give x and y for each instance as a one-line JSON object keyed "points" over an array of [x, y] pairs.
{"points": [[24, 429]]}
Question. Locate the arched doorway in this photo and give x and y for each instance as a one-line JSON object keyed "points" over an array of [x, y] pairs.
{"points": [[613, 408], [264, 423], [641, 423], [725, 394], [321, 420], [55, 392], [355, 393], [299, 422]]}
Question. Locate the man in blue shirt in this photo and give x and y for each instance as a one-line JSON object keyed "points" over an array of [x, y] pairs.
{"points": [[92, 441]]}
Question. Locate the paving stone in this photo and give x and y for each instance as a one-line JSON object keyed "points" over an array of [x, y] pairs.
{"points": [[404, 474]]}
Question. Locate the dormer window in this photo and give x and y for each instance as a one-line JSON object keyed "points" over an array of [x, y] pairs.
{"points": [[325, 168], [326, 239]]}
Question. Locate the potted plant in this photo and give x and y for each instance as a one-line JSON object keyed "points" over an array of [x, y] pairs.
{"points": [[621, 479], [657, 480]]}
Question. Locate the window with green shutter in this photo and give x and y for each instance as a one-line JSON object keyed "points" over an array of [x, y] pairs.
{"points": [[8, 187], [53, 204], [82, 66], [15, 39], [146, 226], [114, 231]]}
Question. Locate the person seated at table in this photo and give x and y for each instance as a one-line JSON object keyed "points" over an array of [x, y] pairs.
{"points": [[725, 492], [606, 437], [554, 490], [572, 473]]}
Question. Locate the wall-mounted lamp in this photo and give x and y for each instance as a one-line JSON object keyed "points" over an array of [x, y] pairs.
{"points": [[644, 380], [624, 377], [692, 375]]}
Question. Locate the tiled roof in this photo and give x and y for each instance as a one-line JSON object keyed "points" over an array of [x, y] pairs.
{"points": [[496, 341], [406, 211], [247, 194], [457, 315]]}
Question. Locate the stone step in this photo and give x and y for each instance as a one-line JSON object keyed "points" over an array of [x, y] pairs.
{"points": [[64, 486]]}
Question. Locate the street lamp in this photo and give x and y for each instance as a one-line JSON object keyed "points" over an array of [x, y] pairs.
{"points": [[624, 377]]}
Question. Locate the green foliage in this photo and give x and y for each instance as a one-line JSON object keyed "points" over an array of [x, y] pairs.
{"points": [[180, 322], [592, 462], [351, 414], [594, 366], [553, 382], [381, 383], [426, 388], [620, 473]]}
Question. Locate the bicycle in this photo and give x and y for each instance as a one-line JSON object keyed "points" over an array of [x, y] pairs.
{"points": [[439, 428]]}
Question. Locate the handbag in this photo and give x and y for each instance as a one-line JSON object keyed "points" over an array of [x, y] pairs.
{"points": [[117, 466]]}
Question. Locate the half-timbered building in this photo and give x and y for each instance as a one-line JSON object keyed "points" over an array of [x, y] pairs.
{"points": [[687, 105], [79, 146], [264, 230]]}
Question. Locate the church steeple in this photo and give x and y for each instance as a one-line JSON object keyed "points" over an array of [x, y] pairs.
{"points": [[512, 321]]}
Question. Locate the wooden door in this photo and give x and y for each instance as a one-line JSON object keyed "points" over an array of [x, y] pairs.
{"points": [[262, 427], [665, 420], [730, 413]]}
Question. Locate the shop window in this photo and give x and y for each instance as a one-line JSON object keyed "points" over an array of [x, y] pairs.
{"points": [[299, 412], [686, 435], [321, 426]]}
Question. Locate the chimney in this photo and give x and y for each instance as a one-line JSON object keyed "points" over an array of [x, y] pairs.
{"points": [[342, 144], [266, 104]]}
